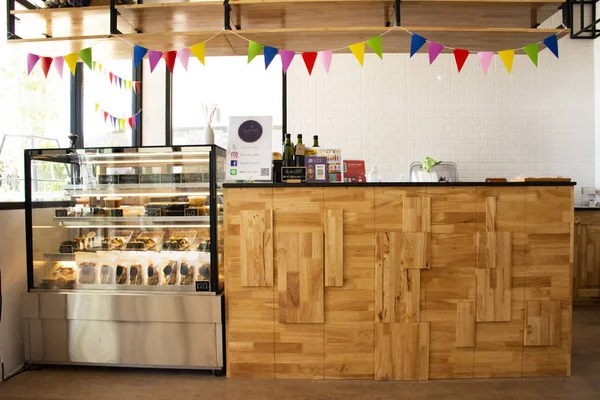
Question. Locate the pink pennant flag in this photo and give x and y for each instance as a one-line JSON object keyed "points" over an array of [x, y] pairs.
{"points": [[32, 59], [154, 57], [286, 58], [184, 56], [59, 63], [434, 50], [485, 58], [325, 57]]}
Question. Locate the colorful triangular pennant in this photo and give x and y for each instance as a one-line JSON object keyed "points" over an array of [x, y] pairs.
{"points": [[154, 57], [309, 58], [434, 50], [46, 64], [184, 56], [551, 43], [170, 57], [86, 56], [138, 54], [507, 57], [254, 49], [326, 57], [198, 51], [71, 60], [59, 63], [416, 42], [270, 53], [532, 51], [286, 59], [358, 49], [32, 59], [485, 58], [460, 56], [375, 43]]}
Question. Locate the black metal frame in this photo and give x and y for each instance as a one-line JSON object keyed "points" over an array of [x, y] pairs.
{"points": [[68, 158], [589, 31], [77, 105], [168, 107], [136, 106]]}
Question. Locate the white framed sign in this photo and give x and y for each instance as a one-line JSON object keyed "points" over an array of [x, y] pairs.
{"points": [[249, 155]]}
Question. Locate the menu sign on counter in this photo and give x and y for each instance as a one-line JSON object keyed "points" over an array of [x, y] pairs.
{"points": [[249, 152]]}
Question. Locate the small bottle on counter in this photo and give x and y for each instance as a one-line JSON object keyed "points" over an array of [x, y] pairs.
{"points": [[288, 151], [315, 141], [299, 152], [373, 175]]}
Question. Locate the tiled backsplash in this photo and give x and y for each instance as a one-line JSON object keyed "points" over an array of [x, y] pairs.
{"points": [[391, 112]]}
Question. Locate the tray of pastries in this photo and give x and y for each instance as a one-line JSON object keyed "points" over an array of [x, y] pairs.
{"points": [[60, 276], [179, 241], [149, 240]]}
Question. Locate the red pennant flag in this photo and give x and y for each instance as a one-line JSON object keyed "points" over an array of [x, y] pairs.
{"points": [[309, 60], [460, 56], [46, 63], [105, 116], [137, 85], [170, 57], [110, 76], [130, 120]]}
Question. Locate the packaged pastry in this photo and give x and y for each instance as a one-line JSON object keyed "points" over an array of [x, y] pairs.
{"points": [[107, 264], [169, 272], [152, 272], [187, 268], [86, 268], [60, 276], [204, 245], [121, 271], [136, 269], [197, 201], [204, 272]]}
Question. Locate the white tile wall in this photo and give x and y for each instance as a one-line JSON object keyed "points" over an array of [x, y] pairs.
{"points": [[394, 111]]}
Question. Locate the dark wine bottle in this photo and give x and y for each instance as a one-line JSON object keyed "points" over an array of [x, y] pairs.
{"points": [[299, 152], [315, 141], [288, 151]]}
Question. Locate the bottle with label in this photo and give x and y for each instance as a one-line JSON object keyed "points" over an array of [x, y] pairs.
{"points": [[299, 152], [288, 151], [315, 141], [374, 175]]}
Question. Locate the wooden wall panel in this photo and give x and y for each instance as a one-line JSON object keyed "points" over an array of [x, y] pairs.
{"points": [[389, 208], [350, 308], [586, 279], [548, 277], [299, 351], [542, 319], [402, 351], [415, 250], [257, 248], [453, 209], [249, 311], [334, 243], [300, 272], [416, 214], [465, 324]]}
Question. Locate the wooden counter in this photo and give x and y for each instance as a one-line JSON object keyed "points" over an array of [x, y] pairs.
{"points": [[587, 254], [398, 282]]}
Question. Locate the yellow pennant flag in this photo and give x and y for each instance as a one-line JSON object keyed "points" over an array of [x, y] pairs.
{"points": [[100, 67], [198, 51], [358, 49], [507, 57], [97, 106], [71, 60]]}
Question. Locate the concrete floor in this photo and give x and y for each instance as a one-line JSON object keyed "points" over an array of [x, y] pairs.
{"points": [[125, 384]]}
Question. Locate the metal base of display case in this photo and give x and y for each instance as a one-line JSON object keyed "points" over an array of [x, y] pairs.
{"points": [[123, 329]]}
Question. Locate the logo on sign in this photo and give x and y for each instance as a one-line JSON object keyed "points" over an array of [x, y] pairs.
{"points": [[233, 171], [234, 163], [234, 154], [250, 131]]}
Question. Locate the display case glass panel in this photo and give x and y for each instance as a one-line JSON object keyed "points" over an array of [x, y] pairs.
{"points": [[132, 219]]}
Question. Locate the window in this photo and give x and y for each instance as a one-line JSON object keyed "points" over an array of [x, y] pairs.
{"points": [[115, 99], [34, 114], [236, 87]]}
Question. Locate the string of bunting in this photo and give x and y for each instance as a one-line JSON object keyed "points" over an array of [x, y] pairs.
{"points": [[287, 56], [117, 122], [116, 80]]}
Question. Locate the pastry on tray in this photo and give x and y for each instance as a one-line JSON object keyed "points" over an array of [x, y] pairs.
{"points": [[142, 243], [176, 243], [112, 243]]}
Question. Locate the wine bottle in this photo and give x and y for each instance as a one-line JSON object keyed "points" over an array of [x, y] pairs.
{"points": [[288, 151], [315, 141], [299, 152]]}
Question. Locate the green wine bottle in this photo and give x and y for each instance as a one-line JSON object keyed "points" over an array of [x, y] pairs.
{"points": [[299, 152], [288, 151], [315, 141]]}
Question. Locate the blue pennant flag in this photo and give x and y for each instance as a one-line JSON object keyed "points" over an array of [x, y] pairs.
{"points": [[138, 53], [551, 42], [270, 53], [121, 83], [416, 42]]}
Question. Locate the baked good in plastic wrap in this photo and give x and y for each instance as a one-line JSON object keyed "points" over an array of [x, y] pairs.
{"points": [[136, 268], [153, 272], [169, 272], [107, 264], [187, 268], [86, 268], [121, 272]]}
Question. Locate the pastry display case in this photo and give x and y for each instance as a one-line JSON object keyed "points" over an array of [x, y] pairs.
{"points": [[121, 213], [129, 243]]}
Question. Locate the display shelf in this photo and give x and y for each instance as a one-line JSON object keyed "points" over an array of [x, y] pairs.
{"points": [[116, 186], [151, 222], [59, 256]]}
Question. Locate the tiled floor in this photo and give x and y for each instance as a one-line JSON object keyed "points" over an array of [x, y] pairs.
{"points": [[124, 384]]}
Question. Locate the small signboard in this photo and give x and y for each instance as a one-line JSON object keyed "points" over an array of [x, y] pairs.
{"points": [[150, 178], [170, 178], [108, 179], [293, 174], [65, 248], [202, 286], [60, 212], [114, 212], [191, 212], [249, 151], [129, 179]]}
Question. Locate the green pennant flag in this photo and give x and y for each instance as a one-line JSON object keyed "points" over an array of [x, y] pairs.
{"points": [[86, 56], [376, 45], [532, 51], [254, 49]]}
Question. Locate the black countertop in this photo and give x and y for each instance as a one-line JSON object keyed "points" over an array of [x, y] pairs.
{"points": [[391, 184]]}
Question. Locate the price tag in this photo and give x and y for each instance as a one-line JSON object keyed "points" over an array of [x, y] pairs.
{"points": [[65, 248], [108, 179], [202, 286], [125, 179], [300, 149], [293, 173], [150, 178], [60, 213], [114, 212], [153, 212], [192, 177], [170, 178], [191, 212]]}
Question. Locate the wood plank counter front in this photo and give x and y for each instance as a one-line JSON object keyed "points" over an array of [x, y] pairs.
{"points": [[398, 282]]}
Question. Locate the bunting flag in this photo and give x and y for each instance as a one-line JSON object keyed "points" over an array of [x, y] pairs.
{"points": [[184, 56], [71, 60], [86, 57], [507, 57], [254, 49], [117, 122], [358, 49], [170, 57], [154, 57], [46, 64], [138, 54], [309, 58], [59, 63], [416, 42], [198, 51], [376, 44], [434, 50], [105, 115], [286, 59], [485, 58], [32, 59], [270, 53], [326, 57], [112, 78], [532, 51], [551, 42], [460, 56]]}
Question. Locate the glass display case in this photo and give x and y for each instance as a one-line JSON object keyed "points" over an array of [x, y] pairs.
{"points": [[125, 219]]}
